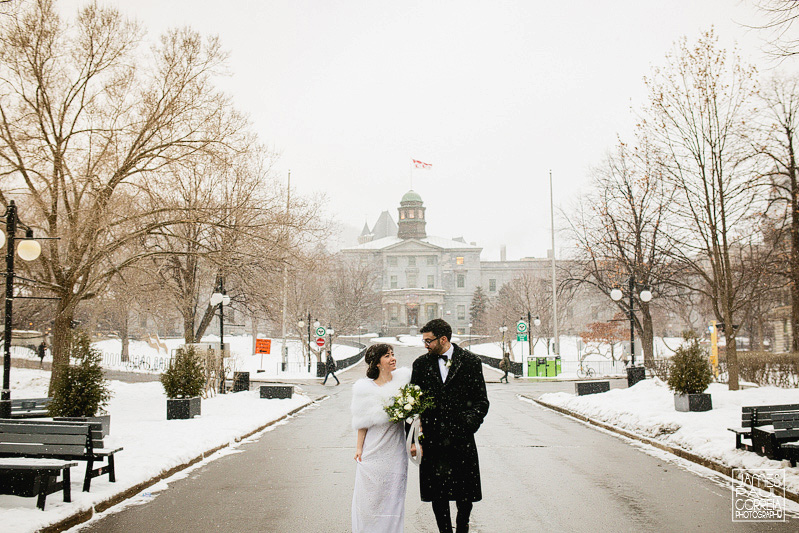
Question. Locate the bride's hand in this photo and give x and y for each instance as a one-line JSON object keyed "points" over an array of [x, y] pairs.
{"points": [[358, 454], [413, 450]]}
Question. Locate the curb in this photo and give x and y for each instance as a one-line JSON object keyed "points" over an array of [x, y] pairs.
{"points": [[85, 515], [679, 452]]}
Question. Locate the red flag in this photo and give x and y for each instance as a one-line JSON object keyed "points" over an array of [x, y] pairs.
{"points": [[419, 164]]}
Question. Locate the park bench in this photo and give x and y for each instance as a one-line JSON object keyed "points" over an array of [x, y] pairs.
{"points": [[581, 388], [35, 477], [69, 441], [756, 416], [774, 440], [30, 408]]}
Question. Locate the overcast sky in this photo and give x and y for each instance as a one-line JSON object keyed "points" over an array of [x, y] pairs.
{"points": [[492, 93]]}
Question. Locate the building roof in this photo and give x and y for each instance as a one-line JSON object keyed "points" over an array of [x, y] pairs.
{"points": [[438, 242], [411, 196], [385, 226]]}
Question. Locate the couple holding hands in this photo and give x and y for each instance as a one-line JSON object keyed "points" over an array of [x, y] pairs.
{"points": [[449, 470]]}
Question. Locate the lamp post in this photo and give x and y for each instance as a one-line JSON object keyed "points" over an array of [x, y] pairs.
{"points": [[532, 322], [29, 250], [645, 295], [221, 299], [470, 330], [502, 329], [330, 333]]}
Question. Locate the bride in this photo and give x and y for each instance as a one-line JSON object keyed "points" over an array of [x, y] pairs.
{"points": [[381, 472]]}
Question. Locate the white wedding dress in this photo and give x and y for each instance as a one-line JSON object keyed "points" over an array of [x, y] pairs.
{"points": [[381, 477]]}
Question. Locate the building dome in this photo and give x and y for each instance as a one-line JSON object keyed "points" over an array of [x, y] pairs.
{"points": [[411, 196]]}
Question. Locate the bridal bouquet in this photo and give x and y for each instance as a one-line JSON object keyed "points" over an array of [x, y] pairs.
{"points": [[408, 404]]}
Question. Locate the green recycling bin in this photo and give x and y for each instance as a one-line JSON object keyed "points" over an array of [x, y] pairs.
{"points": [[541, 367], [557, 365], [531, 370], [551, 367]]}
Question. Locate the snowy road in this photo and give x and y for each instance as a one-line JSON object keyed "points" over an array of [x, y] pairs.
{"points": [[541, 472]]}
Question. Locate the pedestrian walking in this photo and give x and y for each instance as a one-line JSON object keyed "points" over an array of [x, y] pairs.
{"points": [[450, 470], [504, 365], [42, 350], [330, 368]]}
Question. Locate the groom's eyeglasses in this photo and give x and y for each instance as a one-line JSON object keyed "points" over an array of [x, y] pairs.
{"points": [[428, 342]]}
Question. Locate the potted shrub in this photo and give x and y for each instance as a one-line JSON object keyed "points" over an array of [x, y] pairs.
{"points": [[690, 376], [183, 382], [81, 392]]}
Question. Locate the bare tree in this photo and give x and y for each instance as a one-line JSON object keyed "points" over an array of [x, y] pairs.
{"points": [[86, 121], [353, 292], [619, 231], [780, 17], [699, 106]]}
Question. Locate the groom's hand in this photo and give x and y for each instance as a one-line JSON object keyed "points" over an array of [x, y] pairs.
{"points": [[413, 451]]}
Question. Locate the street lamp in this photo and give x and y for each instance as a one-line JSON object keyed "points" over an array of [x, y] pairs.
{"points": [[470, 330], [330, 333], [502, 329], [645, 295], [221, 299], [29, 250]]}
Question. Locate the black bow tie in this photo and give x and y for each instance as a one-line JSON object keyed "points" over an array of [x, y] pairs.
{"points": [[443, 356]]}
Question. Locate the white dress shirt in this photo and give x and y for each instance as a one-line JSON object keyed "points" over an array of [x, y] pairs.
{"points": [[442, 366]]}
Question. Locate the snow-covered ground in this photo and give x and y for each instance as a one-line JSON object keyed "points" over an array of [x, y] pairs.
{"points": [[647, 409], [152, 444]]}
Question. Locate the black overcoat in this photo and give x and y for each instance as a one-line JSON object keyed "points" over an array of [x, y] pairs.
{"points": [[450, 469]]}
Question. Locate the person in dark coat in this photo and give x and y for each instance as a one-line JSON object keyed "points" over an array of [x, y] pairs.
{"points": [[42, 352], [504, 365], [330, 367], [450, 470]]}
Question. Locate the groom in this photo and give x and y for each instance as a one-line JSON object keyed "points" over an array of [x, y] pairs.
{"points": [[450, 471]]}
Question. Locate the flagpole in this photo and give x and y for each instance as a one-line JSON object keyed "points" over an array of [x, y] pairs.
{"points": [[554, 291], [284, 349], [411, 173]]}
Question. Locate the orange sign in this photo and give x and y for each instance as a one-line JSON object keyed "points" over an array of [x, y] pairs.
{"points": [[263, 346]]}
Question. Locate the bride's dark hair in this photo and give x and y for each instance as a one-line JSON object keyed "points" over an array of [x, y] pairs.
{"points": [[372, 357]]}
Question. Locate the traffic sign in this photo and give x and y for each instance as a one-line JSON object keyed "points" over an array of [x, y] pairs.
{"points": [[521, 326], [263, 346], [320, 342], [521, 337], [321, 331]]}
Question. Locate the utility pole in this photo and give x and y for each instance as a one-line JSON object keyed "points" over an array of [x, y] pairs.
{"points": [[554, 290], [284, 349]]}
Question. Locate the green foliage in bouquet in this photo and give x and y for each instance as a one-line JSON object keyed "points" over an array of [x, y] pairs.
{"points": [[81, 389], [185, 377], [410, 402], [690, 369]]}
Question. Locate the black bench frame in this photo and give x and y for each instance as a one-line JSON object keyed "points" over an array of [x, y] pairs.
{"points": [[786, 435], [36, 478], [755, 416], [48, 439]]}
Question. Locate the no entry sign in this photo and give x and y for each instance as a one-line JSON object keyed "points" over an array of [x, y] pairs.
{"points": [[320, 342]]}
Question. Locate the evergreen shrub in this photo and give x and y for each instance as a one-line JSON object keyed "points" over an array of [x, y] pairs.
{"points": [[185, 377], [690, 371], [81, 389]]}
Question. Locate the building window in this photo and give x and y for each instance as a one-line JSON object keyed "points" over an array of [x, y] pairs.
{"points": [[421, 214], [431, 282], [402, 215], [492, 285], [461, 312], [461, 281], [459, 260], [411, 260], [411, 213], [430, 311], [431, 260], [392, 260], [393, 282], [393, 312], [411, 280]]}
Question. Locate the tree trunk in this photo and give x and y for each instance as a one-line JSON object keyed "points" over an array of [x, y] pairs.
{"points": [[123, 337], [205, 322], [62, 337], [647, 336], [188, 326], [794, 253], [731, 352], [253, 330]]}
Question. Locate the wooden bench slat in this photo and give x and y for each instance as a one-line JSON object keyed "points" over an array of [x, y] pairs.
{"points": [[43, 427], [44, 438], [40, 450]]}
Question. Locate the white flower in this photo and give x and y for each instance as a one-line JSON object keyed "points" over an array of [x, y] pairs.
{"points": [[417, 387], [408, 407], [411, 401]]}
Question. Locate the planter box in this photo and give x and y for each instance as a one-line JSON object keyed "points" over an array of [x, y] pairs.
{"points": [[104, 420], [582, 388], [241, 381], [693, 402], [182, 408], [277, 391], [635, 374]]}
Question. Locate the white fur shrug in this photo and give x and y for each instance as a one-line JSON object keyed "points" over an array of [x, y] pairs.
{"points": [[368, 399]]}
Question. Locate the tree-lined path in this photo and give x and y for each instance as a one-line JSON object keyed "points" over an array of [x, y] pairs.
{"points": [[541, 472]]}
